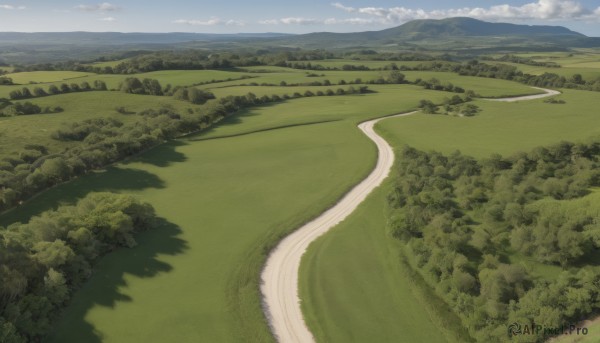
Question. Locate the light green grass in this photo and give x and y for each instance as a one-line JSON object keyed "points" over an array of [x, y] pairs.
{"points": [[341, 264], [16, 132], [45, 76], [354, 289], [371, 64], [500, 127], [567, 72], [231, 199], [485, 87], [388, 100], [593, 335], [237, 204], [173, 77], [237, 199]]}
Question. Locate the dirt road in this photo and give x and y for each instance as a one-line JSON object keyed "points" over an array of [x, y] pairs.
{"points": [[280, 275]]}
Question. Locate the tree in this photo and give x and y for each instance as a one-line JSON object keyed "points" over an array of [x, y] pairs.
{"points": [[132, 85], [55, 169], [395, 77], [53, 90], [38, 92], [427, 107], [100, 85]]}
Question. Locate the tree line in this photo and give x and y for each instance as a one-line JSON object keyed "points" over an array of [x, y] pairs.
{"points": [[17, 109], [521, 60], [26, 93], [463, 221], [103, 141], [43, 262]]}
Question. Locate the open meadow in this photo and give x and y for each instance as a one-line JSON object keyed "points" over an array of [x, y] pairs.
{"points": [[349, 264], [232, 191]]}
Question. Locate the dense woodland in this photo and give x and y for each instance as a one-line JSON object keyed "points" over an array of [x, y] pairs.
{"points": [[43, 262], [468, 223]]}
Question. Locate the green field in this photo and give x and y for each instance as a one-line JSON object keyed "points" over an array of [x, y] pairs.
{"points": [[354, 290], [338, 262], [500, 127], [233, 191], [18, 131], [235, 208], [46, 76], [370, 64]]}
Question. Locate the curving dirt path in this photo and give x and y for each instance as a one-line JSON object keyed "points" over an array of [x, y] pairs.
{"points": [[279, 287], [549, 92]]}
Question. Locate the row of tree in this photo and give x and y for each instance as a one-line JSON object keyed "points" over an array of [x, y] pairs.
{"points": [[26, 93], [521, 60], [463, 219], [201, 59], [26, 108], [106, 140], [43, 262]]}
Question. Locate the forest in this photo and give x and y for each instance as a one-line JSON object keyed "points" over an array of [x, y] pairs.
{"points": [[466, 223], [43, 262]]}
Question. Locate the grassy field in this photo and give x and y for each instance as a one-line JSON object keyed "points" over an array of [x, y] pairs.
{"points": [[371, 64], [237, 206], [265, 75], [354, 290], [18, 131], [45, 76], [227, 194], [199, 278], [593, 335], [354, 263], [500, 127]]}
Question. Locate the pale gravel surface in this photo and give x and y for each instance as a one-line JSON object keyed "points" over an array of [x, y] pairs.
{"points": [[549, 92], [279, 285]]}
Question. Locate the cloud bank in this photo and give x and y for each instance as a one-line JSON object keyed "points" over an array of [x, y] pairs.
{"points": [[540, 10], [210, 22], [103, 7], [12, 7]]}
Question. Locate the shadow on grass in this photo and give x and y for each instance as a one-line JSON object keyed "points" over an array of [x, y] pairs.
{"points": [[162, 155], [113, 179], [234, 119], [116, 178], [109, 279]]}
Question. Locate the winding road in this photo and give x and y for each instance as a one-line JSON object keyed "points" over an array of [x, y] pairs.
{"points": [[279, 287]]}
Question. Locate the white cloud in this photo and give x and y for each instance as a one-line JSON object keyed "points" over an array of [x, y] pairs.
{"points": [[540, 10], [109, 19], [210, 22], [103, 7], [312, 21], [12, 7], [291, 21]]}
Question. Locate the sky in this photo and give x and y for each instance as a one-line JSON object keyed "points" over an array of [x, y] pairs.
{"points": [[234, 16]]}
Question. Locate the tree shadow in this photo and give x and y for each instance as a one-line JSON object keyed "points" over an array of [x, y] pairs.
{"points": [[162, 155], [105, 286], [234, 119], [112, 179]]}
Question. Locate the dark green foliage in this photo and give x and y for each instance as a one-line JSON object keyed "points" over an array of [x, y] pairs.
{"points": [[461, 218], [555, 101], [427, 107], [193, 95], [44, 261]]}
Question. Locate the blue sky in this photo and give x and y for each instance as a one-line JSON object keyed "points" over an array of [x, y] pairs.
{"points": [[231, 16]]}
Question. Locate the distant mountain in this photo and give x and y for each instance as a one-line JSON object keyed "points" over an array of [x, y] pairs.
{"points": [[465, 27], [450, 33], [461, 35]]}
